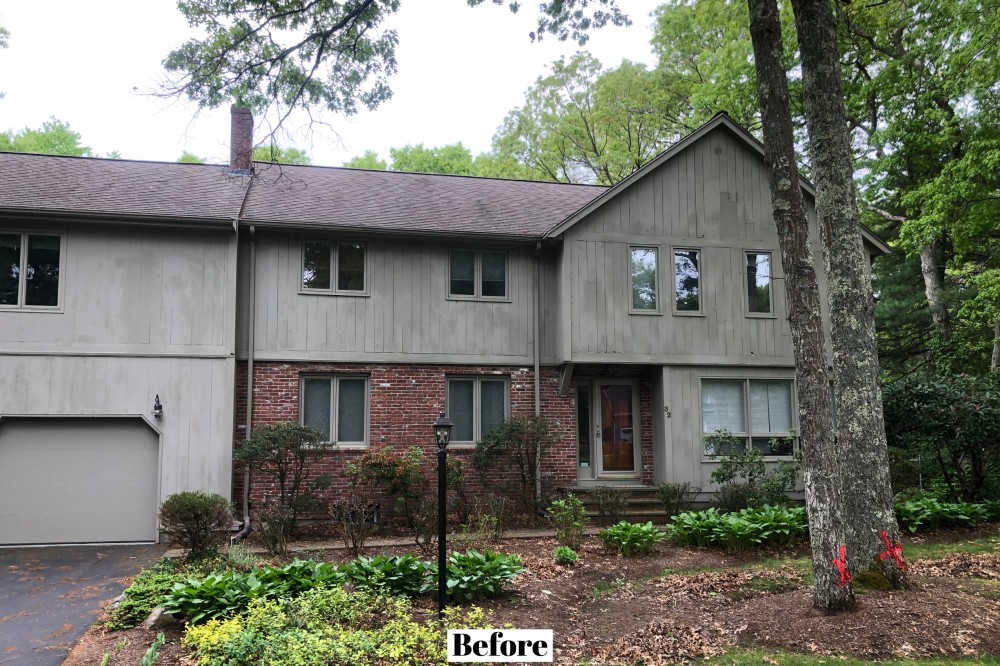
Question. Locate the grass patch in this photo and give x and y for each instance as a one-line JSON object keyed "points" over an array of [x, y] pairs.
{"points": [[937, 551], [761, 658], [605, 587]]}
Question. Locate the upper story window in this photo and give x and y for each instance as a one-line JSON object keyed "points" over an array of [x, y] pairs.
{"points": [[726, 404], [337, 406], [476, 405], [687, 281], [29, 270], [477, 274], [333, 267], [645, 282], [758, 282]]}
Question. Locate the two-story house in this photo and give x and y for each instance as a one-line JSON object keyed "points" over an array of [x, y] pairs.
{"points": [[150, 314]]}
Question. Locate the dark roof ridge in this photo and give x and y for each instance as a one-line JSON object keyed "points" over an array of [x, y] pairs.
{"points": [[426, 173]]}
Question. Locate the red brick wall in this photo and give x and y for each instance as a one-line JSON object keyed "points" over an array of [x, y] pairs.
{"points": [[405, 400]]}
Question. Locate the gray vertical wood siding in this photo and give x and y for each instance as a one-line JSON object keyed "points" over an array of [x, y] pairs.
{"points": [[406, 316], [713, 196]]}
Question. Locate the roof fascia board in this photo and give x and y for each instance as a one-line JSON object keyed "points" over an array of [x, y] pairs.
{"points": [[14, 215], [372, 231]]}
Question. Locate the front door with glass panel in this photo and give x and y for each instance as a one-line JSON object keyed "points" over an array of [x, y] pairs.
{"points": [[607, 430]]}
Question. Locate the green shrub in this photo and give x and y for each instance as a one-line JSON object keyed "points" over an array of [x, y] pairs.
{"points": [[740, 530], [274, 526], [564, 555], [506, 458], [744, 479], [228, 593], [398, 576], [197, 521], [569, 518], [285, 452], [931, 513], [145, 593], [327, 626], [677, 497], [474, 575], [632, 538], [399, 476], [611, 503]]}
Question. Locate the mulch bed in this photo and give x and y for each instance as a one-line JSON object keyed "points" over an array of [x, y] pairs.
{"points": [[616, 610]]}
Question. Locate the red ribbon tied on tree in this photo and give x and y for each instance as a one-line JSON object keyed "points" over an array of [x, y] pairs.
{"points": [[893, 551], [841, 564]]}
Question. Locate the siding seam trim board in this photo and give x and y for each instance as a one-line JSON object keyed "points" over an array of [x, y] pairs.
{"points": [[8, 352]]}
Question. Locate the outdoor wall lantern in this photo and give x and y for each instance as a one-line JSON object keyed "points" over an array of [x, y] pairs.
{"points": [[157, 407], [442, 434]]}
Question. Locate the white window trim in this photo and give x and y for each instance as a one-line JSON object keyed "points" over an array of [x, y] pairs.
{"points": [[746, 294], [22, 287], [700, 312], [477, 277], [334, 254], [748, 436], [334, 396], [658, 310], [476, 406]]}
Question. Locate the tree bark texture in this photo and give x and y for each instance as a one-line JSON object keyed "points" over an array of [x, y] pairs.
{"points": [[995, 361], [861, 442], [932, 269], [827, 531]]}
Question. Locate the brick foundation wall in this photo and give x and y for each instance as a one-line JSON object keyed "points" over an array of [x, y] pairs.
{"points": [[405, 400]]}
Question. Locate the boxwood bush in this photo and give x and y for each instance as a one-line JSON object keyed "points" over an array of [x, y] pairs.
{"points": [[197, 521]]}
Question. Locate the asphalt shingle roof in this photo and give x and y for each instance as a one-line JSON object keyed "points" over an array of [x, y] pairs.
{"points": [[117, 188], [294, 195], [410, 202]]}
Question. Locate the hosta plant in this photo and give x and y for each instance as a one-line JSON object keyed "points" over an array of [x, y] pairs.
{"points": [[628, 539]]}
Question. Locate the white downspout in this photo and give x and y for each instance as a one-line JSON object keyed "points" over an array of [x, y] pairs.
{"points": [[245, 530], [538, 363]]}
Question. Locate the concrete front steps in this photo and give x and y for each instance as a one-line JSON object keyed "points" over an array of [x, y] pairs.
{"points": [[643, 503]]}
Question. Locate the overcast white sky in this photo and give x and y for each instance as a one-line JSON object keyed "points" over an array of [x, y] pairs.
{"points": [[460, 71]]}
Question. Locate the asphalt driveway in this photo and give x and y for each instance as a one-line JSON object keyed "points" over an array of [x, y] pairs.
{"points": [[50, 596]]}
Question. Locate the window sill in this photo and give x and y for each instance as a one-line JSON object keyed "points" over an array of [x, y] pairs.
{"points": [[464, 446], [477, 299], [323, 292], [678, 313], [761, 315], [37, 309], [655, 313], [719, 459]]}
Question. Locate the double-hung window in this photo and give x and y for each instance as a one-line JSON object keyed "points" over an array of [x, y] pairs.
{"points": [[758, 266], [29, 270], [477, 274], [476, 405], [337, 406], [333, 268], [756, 412], [687, 281], [643, 269]]}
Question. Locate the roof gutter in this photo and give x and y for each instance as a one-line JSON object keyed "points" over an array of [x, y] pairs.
{"points": [[403, 233], [19, 214]]}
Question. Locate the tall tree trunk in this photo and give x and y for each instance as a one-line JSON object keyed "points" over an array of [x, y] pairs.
{"points": [[864, 463], [995, 361], [819, 463], [932, 268]]}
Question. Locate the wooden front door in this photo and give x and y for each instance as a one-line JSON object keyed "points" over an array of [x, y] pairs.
{"points": [[617, 427]]}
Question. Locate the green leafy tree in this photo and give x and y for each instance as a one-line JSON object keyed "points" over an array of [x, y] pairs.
{"points": [[454, 159], [54, 138], [275, 153], [583, 124], [190, 158], [369, 160]]}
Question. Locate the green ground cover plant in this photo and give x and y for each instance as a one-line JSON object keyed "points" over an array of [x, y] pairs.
{"points": [[629, 539], [404, 576], [564, 555], [327, 626], [740, 530], [931, 513]]}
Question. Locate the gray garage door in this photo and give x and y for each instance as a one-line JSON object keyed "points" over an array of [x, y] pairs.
{"points": [[77, 480]]}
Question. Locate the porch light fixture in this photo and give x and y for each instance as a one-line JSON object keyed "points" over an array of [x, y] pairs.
{"points": [[157, 407], [442, 435]]}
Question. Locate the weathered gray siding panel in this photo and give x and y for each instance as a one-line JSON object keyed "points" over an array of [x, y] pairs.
{"points": [[197, 396], [406, 316], [712, 196], [128, 291]]}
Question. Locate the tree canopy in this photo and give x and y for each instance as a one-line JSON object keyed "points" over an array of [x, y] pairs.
{"points": [[54, 137]]}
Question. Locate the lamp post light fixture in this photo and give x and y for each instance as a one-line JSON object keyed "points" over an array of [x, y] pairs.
{"points": [[442, 434], [157, 407]]}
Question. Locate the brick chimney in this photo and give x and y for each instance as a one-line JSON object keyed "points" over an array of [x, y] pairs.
{"points": [[241, 139]]}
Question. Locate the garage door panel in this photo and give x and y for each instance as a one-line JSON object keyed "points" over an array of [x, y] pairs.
{"points": [[77, 480]]}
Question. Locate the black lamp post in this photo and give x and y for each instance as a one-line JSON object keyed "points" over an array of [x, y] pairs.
{"points": [[442, 433]]}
